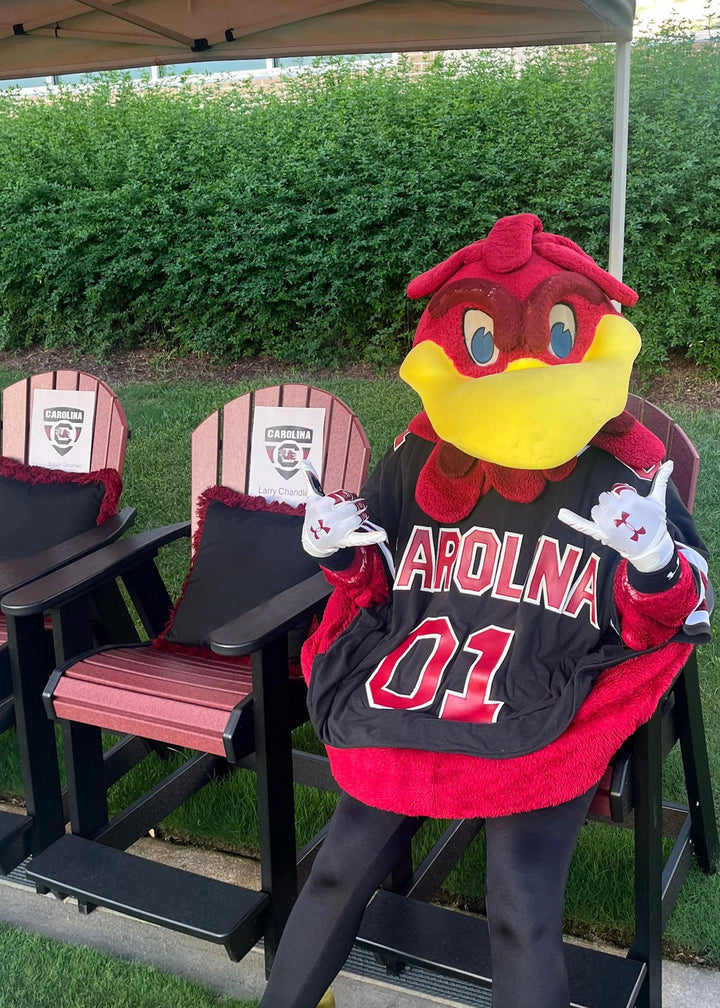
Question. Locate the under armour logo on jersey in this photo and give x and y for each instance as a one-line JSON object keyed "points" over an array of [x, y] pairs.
{"points": [[400, 440], [623, 520], [321, 528]]}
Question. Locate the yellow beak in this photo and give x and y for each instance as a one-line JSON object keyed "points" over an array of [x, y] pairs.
{"points": [[531, 416]]}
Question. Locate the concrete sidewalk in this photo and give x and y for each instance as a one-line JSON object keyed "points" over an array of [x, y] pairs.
{"points": [[209, 965]]}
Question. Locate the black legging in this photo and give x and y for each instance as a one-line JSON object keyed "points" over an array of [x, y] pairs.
{"points": [[528, 858]]}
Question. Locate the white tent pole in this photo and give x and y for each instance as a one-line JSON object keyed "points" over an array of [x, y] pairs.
{"points": [[619, 163]]}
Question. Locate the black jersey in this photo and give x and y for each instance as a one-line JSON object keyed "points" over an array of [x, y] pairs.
{"points": [[496, 628]]}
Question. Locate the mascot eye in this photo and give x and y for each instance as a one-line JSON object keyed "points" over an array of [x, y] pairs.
{"points": [[478, 331], [563, 330]]}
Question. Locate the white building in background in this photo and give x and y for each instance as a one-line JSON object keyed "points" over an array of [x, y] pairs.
{"points": [[649, 14], [657, 11], [261, 70]]}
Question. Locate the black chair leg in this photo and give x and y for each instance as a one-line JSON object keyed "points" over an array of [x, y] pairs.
{"points": [[87, 797], [695, 763], [647, 946], [276, 803], [32, 660]]}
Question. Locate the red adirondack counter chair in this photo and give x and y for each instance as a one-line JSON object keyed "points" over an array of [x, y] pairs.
{"points": [[108, 436], [226, 710], [403, 926], [63, 438]]}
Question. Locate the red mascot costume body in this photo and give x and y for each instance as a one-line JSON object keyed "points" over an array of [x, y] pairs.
{"points": [[529, 587]]}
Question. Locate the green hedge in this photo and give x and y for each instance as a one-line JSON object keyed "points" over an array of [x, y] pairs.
{"points": [[235, 221]]}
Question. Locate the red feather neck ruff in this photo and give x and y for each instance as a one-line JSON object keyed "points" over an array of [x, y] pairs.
{"points": [[451, 482]]}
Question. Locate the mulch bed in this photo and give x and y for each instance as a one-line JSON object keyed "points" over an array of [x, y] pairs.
{"points": [[682, 381]]}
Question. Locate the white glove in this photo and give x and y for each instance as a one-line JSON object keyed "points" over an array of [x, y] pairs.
{"points": [[633, 525], [334, 521]]}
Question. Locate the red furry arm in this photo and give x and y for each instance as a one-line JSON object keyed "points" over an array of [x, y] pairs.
{"points": [[650, 619], [362, 584]]}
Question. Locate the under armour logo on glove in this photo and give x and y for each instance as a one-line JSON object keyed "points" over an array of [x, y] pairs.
{"points": [[635, 526], [321, 528], [623, 520]]}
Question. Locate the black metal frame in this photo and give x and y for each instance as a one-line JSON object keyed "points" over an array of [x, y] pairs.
{"points": [[260, 733], [25, 663], [658, 882]]}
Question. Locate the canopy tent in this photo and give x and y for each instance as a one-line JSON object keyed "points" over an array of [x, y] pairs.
{"points": [[48, 37]]}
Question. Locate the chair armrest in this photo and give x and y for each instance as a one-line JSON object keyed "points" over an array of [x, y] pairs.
{"points": [[18, 571], [258, 626], [81, 577]]}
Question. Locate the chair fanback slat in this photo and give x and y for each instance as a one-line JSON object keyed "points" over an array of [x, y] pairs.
{"points": [[221, 444], [270, 396], [299, 395], [14, 421], [678, 446], [41, 381], [110, 428], [69, 381], [356, 461], [336, 453], [205, 458], [687, 466], [656, 420], [237, 428]]}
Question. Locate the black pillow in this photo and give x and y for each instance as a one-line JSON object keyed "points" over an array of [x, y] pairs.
{"points": [[43, 507], [246, 551]]}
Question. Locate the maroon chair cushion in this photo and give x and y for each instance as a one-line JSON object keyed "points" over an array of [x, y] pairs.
{"points": [[245, 551], [43, 507]]}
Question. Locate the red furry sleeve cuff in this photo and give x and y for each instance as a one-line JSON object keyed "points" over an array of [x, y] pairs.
{"points": [[363, 581], [650, 619]]}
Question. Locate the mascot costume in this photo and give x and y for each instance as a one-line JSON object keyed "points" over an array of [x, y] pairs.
{"points": [[526, 590]]}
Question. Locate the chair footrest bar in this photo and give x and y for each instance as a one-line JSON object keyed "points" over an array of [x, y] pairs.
{"points": [[206, 908], [15, 831], [402, 930]]}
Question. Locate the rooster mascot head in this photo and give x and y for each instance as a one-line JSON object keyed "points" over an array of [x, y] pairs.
{"points": [[520, 357]]}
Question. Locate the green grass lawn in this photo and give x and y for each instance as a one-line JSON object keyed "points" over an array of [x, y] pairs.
{"points": [[157, 483], [41, 973]]}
